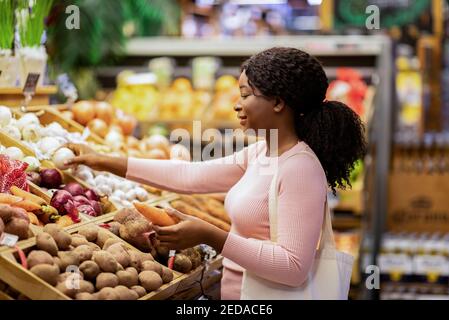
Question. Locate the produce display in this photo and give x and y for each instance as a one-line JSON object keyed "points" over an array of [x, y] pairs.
{"points": [[103, 267], [179, 101]]}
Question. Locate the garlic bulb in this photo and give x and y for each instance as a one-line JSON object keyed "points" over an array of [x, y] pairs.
{"points": [[61, 156], [26, 120], [13, 131], [13, 153], [5, 116], [31, 132]]}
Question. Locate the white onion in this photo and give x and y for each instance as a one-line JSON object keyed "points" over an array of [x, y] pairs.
{"points": [[105, 189], [119, 194], [13, 153], [31, 133], [127, 204], [48, 145], [126, 186], [5, 116], [33, 163], [100, 180], [141, 193], [131, 195], [13, 132], [26, 120], [61, 156]]}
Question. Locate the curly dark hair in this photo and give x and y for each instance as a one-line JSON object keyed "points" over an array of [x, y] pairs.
{"points": [[333, 130]]}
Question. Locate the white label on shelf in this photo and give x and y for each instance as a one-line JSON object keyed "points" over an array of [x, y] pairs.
{"points": [[425, 264], [395, 263], [8, 240]]}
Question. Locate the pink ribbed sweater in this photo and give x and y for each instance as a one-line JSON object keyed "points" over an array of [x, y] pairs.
{"points": [[244, 176]]}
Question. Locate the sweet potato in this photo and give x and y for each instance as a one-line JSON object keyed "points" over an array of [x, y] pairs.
{"points": [[19, 227], [33, 218], [27, 205], [105, 261], [46, 272], [150, 280], [45, 242], [36, 257], [106, 279], [155, 215], [192, 211], [9, 199], [90, 269], [27, 196]]}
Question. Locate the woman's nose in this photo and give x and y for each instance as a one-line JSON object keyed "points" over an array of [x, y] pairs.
{"points": [[237, 107]]}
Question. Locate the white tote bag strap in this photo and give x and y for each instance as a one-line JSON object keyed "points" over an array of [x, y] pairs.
{"points": [[326, 236]]}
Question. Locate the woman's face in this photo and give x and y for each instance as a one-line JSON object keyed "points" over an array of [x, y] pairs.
{"points": [[253, 110]]}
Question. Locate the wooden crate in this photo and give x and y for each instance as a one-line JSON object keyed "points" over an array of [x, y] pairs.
{"points": [[12, 273], [13, 96]]}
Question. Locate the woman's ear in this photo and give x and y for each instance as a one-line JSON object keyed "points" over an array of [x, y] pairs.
{"points": [[279, 106]]}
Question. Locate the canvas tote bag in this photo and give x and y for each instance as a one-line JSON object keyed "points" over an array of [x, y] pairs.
{"points": [[329, 276]]}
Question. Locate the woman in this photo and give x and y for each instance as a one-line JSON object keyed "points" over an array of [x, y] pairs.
{"points": [[282, 89]]}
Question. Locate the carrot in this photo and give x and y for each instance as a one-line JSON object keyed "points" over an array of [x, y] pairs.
{"points": [[33, 218], [27, 195], [64, 221], [27, 205], [9, 199], [192, 211], [155, 215]]}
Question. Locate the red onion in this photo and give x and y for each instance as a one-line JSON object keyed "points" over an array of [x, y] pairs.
{"points": [[91, 195], [80, 200], [87, 210], [74, 188], [72, 211], [50, 178], [59, 199], [97, 207]]}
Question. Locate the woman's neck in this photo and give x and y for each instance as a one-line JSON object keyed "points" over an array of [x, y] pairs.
{"points": [[283, 141]]}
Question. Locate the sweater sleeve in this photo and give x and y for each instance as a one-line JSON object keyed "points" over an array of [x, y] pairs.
{"points": [[301, 203], [217, 175]]}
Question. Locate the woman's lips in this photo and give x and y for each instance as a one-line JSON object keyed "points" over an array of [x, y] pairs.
{"points": [[242, 120]]}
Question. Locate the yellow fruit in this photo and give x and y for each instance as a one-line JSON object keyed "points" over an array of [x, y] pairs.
{"points": [[225, 83]]}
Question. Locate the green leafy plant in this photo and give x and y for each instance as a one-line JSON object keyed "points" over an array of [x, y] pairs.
{"points": [[6, 24], [30, 17]]}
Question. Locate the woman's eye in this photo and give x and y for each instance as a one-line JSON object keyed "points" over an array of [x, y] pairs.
{"points": [[245, 96]]}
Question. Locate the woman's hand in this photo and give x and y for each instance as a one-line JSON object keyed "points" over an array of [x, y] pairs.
{"points": [[189, 232], [84, 155]]}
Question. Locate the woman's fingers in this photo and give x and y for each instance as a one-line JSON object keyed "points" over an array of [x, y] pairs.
{"points": [[177, 214], [170, 230], [76, 148], [76, 161]]}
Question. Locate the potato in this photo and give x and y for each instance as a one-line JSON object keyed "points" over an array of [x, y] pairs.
{"points": [[127, 278], [133, 232], [90, 269], [120, 254], [114, 227], [152, 266], [57, 262], [194, 257], [84, 252], [133, 271], [6, 212], [125, 293], [85, 296], [36, 257], [94, 246], [89, 232], [102, 236], [86, 286], [19, 227], [167, 275], [105, 261], [108, 294], [45, 242], [110, 242], [106, 279], [46, 272], [139, 290], [62, 277], [124, 215], [182, 263], [67, 290], [150, 280], [61, 237], [119, 267], [134, 257], [2, 226], [146, 257], [162, 252], [78, 240], [68, 258]]}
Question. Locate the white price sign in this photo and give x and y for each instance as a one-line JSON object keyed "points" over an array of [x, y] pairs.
{"points": [[8, 240]]}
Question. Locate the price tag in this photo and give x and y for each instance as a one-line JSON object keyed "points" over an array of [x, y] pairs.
{"points": [[8, 240], [31, 83]]}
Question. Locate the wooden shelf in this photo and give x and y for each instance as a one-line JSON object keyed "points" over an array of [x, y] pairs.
{"points": [[346, 222], [13, 97], [39, 90]]}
